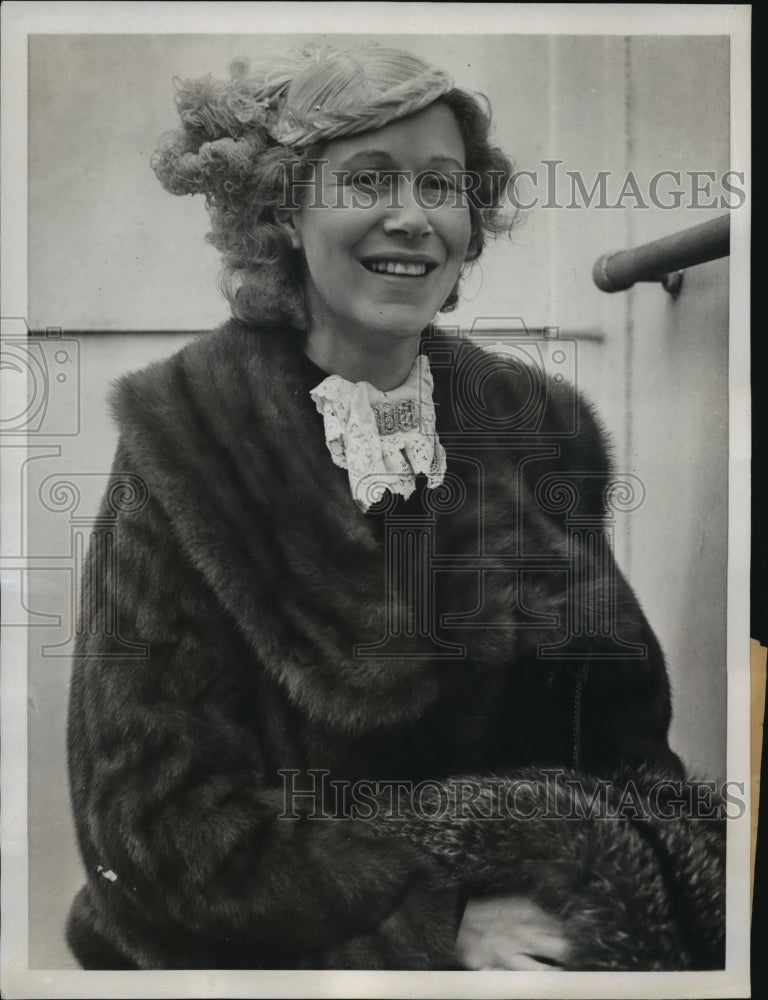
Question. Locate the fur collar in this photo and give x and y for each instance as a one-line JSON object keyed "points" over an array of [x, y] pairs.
{"points": [[231, 447]]}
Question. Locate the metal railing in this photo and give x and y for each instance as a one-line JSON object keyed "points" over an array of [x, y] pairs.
{"points": [[664, 260]]}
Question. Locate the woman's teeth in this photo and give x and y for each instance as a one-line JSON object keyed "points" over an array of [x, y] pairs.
{"points": [[396, 267]]}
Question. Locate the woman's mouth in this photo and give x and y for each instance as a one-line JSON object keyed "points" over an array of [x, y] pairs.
{"points": [[411, 269]]}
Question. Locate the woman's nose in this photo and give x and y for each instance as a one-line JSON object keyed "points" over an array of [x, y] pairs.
{"points": [[406, 213]]}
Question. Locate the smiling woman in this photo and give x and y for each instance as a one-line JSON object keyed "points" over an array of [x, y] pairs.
{"points": [[347, 676], [376, 274]]}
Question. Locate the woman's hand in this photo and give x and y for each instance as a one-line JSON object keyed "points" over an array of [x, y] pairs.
{"points": [[510, 932]]}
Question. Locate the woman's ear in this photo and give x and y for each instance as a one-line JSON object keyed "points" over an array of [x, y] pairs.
{"points": [[287, 219]]}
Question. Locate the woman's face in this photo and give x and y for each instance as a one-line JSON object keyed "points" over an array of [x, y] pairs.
{"points": [[384, 227]]}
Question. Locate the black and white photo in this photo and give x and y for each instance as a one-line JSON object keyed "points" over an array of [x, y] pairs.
{"points": [[375, 450]]}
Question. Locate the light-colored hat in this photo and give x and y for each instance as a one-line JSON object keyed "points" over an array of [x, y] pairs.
{"points": [[314, 96], [351, 91]]}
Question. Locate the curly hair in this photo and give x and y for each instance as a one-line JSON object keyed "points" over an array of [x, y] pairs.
{"points": [[244, 142]]}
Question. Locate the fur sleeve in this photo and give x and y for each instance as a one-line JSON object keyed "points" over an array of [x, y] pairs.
{"points": [[189, 859], [633, 866]]}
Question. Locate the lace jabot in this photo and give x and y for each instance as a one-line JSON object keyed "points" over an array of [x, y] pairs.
{"points": [[383, 439]]}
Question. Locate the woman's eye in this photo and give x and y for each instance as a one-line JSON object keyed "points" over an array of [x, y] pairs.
{"points": [[371, 179], [439, 182], [437, 190]]}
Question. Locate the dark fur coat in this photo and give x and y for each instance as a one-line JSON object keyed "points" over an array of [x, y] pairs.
{"points": [[248, 634]]}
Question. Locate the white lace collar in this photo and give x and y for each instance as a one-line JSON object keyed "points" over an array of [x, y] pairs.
{"points": [[383, 439]]}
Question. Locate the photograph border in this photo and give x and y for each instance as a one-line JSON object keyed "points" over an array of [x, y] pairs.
{"points": [[19, 20]]}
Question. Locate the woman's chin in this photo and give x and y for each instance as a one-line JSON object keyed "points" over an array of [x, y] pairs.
{"points": [[399, 322]]}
